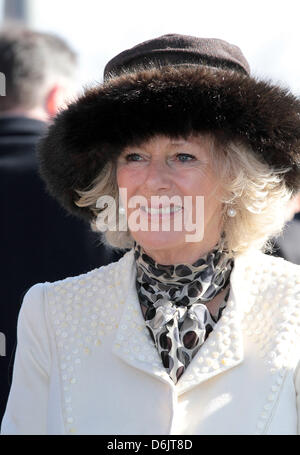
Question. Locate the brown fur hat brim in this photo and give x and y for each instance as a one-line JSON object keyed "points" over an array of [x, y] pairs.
{"points": [[134, 106]]}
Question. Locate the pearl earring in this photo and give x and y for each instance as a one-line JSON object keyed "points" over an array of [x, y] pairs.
{"points": [[231, 212]]}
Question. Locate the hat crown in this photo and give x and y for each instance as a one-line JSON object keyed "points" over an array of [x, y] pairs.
{"points": [[174, 49]]}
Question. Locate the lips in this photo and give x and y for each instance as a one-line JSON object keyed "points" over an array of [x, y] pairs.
{"points": [[160, 213], [168, 210]]}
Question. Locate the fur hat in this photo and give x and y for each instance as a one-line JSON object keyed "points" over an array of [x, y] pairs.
{"points": [[172, 85]]}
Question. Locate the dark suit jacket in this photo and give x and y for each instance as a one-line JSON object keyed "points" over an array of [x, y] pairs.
{"points": [[38, 241]]}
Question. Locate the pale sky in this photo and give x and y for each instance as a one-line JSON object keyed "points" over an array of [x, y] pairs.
{"points": [[267, 31]]}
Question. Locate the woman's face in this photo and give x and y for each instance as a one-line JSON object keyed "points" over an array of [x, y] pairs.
{"points": [[171, 197]]}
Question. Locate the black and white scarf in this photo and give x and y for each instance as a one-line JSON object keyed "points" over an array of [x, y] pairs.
{"points": [[173, 302]]}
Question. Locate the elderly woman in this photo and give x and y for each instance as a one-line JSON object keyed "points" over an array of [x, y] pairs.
{"points": [[195, 330]]}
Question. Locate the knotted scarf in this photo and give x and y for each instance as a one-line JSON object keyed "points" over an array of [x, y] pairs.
{"points": [[173, 301]]}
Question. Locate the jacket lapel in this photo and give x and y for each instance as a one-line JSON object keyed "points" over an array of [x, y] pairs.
{"points": [[132, 342], [222, 350]]}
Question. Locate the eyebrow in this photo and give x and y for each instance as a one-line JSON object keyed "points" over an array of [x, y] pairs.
{"points": [[174, 142]]}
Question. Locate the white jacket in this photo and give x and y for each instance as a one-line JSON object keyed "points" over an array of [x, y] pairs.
{"points": [[85, 363]]}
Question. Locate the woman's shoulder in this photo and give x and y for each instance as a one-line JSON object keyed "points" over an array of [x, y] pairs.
{"points": [[72, 289], [263, 263], [268, 276], [104, 275], [280, 275], [280, 264]]}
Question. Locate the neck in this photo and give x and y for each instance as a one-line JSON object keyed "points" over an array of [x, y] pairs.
{"points": [[188, 254]]}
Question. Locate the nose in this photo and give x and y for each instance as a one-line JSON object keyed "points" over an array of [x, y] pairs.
{"points": [[157, 176]]}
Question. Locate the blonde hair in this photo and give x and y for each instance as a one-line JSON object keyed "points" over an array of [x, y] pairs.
{"points": [[256, 192]]}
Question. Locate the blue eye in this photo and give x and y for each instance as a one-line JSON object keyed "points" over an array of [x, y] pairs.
{"points": [[132, 156], [183, 157]]}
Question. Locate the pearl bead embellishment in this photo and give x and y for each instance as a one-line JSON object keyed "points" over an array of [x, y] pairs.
{"points": [[87, 310], [84, 310]]}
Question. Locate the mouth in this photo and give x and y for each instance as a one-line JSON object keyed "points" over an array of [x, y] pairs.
{"points": [[161, 211]]}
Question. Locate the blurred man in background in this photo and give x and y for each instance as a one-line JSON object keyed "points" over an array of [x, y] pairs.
{"points": [[288, 245], [38, 241]]}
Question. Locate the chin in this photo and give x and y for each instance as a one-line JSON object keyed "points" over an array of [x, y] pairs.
{"points": [[159, 240]]}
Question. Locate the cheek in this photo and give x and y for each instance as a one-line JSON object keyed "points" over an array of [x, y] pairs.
{"points": [[212, 203], [125, 178], [129, 179], [196, 184]]}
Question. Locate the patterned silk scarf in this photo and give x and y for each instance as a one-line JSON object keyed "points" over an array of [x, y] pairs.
{"points": [[173, 302]]}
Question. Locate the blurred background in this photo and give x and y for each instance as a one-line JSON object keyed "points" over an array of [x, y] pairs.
{"points": [[267, 31]]}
